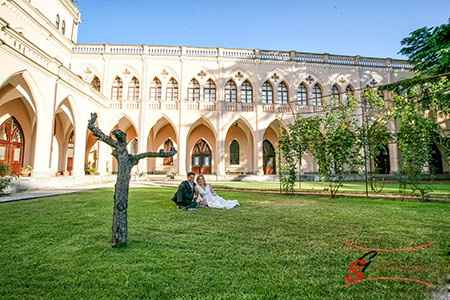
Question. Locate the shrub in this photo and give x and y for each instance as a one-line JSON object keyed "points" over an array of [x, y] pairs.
{"points": [[4, 170]]}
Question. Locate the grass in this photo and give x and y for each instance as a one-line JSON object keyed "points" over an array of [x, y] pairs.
{"points": [[437, 187], [273, 247]]}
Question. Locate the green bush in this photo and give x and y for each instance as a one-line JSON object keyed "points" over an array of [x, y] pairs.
{"points": [[4, 183], [4, 170]]}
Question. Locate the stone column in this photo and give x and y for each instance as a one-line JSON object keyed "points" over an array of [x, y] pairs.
{"points": [[80, 146], [104, 156], [42, 146], [182, 151]]}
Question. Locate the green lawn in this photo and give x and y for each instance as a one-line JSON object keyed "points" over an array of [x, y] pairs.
{"points": [[437, 187], [273, 247]]}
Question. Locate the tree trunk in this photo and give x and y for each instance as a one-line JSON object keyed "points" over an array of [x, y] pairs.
{"points": [[120, 212]]}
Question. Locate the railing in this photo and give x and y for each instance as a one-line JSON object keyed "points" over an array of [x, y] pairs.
{"points": [[277, 108], [250, 54], [238, 106]]}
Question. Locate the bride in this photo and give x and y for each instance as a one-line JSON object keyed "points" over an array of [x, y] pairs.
{"points": [[210, 198]]}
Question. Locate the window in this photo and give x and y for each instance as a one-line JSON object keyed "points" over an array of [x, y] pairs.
{"points": [[349, 92], [172, 90], [230, 91], [155, 90], [246, 92], [63, 27], [209, 91], [302, 94], [194, 91], [168, 146], [335, 95], [317, 95], [117, 89], [95, 84], [283, 93], [267, 93], [133, 89], [234, 153], [58, 21]]}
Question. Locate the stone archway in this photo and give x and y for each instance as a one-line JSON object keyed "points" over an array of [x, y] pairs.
{"points": [[127, 126], [63, 140], [201, 158], [201, 147], [269, 145], [18, 121], [239, 148], [12, 145], [162, 136]]}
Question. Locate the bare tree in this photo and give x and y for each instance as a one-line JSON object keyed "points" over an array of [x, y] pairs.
{"points": [[126, 161]]}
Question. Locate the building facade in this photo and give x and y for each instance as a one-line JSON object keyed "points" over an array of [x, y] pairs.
{"points": [[222, 109]]}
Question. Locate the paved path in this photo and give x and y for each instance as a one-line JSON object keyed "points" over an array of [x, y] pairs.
{"points": [[45, 193]]}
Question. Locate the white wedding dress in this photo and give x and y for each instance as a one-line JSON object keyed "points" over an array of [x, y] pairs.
{"points": [[215, 201]]}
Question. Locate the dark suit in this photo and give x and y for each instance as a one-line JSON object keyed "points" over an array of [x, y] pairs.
{"points": [[185, 195]]}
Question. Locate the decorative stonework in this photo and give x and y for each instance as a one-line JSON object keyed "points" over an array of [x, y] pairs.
{"points": [[239, 76], [275, 77]]}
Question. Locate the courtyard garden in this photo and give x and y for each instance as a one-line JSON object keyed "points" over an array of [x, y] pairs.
{"points": [[272, 247]]}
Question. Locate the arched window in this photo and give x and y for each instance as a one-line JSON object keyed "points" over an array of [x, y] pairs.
{"points": [[155, 90], [234, 153], [194, 91], [117, 89], [230, 91], [133, 89], [95, 84], [246, 92], [267, 93], [201, 158], [335, 95], [63, 27], [168, 146], [317, 95], [209, 91], [302, 94], [349, 92], [58, 21], [12, 145], [172, 90], [283, 93]]}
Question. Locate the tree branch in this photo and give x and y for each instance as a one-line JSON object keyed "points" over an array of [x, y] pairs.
{"points": [[98, 133], [161, 153]]}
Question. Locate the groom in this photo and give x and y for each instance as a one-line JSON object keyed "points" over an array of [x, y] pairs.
{"points": [[185, 197]]}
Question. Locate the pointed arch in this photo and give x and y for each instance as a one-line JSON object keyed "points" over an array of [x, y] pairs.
{"points": [[172, 92], [349, 92], [234, 153], [117, 89], [267, 93], [155, 90], [230, 91], [18, 100], [302, 94], [335, 95], [134, 89], [158, 135], [283, 93], [246, 92], [317, 95], [210, 91], [241, 132], [204, 130], [193, 91]]}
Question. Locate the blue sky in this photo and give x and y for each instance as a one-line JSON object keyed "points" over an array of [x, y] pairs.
{"points": [[369, 28]]}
